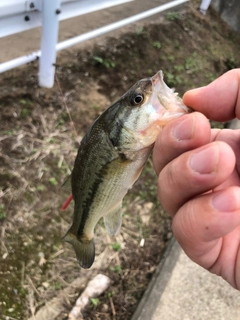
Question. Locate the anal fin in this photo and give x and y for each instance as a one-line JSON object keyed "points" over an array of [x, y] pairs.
{"points": [[113, 220]]}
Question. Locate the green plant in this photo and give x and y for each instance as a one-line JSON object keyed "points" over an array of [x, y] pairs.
{"points": [[41, 187], [23, 101], [116, 269], [210, 76], [24, 113], [156, 44], [179, 68], [170, 79], [190, 63], [171, 58], [2, 212], [58, 286], [106, 62], [231, 63], [53, 181], [140, 31], [116, 246], [172, 16], [193, 63], [95, 301], [52, 140]]}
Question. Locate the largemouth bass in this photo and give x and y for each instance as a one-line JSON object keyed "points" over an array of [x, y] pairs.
{"points": [[111, 157]]}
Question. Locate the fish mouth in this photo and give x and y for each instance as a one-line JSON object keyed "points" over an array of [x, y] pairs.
{"points": [[160, 90], [166, 96], [159, 93], [158, 77]]}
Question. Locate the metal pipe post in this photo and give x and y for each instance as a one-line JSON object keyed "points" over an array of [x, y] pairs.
{"points": [[50, 12], [204, 6]]}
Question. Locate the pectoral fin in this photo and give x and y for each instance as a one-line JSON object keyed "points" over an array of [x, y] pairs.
{"points": [[113, 220]]}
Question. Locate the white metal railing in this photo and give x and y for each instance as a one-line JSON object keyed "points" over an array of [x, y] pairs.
{"points": [[20, 15]]}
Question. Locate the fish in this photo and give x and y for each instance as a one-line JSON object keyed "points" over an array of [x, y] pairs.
{"points": [[111, 157]]}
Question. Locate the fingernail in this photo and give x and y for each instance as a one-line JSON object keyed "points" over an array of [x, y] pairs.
{"points": [[225, 201], [184, 129], [205, 161]]}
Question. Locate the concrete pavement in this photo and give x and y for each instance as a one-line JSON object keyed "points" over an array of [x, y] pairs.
{"points": [[182, 290]]}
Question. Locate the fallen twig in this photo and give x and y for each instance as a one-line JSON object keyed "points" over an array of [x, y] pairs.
{"points": [[32, 285], [113, 308]]}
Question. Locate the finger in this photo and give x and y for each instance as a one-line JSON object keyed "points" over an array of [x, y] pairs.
{"points": [[232, 138], [193, 173], [183, 134], [220, 100], [201, 222]]}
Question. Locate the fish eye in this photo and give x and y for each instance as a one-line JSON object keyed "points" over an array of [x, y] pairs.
{"points": [[138, 98]]}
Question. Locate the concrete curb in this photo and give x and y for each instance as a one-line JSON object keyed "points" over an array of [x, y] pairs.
{"points": [[155, 289], [182, 290]]}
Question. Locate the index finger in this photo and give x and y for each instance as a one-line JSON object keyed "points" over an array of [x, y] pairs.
{"points": [[220, 100]]}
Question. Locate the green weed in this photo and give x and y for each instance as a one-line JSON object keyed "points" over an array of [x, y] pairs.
{"points": [[41, 187], [179, 68], [95, 301], [53, 181], [142, 32], [193, 63], [2, 212], [156, 44], [8, 132], [171, 58], [116, 246], [231, 63], [210, 76], [23, 101], [57, 286], [116, 269], [105, 62], [172, 16], [25, 113]]}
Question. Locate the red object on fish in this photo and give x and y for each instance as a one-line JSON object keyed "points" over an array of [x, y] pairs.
{"points": [[66, 203]]}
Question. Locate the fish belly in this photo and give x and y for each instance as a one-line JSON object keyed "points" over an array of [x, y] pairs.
{"points": [[118, 180]]}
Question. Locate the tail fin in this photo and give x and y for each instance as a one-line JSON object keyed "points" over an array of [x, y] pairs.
{"points": [[85, 250]]}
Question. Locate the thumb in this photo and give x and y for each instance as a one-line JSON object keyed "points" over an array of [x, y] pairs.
{"points": [[220, 100]]}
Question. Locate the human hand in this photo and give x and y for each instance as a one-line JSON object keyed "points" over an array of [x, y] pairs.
{"points": [[199, 177]]}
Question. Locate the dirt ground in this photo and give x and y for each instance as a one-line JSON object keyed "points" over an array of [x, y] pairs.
{"points": [[38, 144]]}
